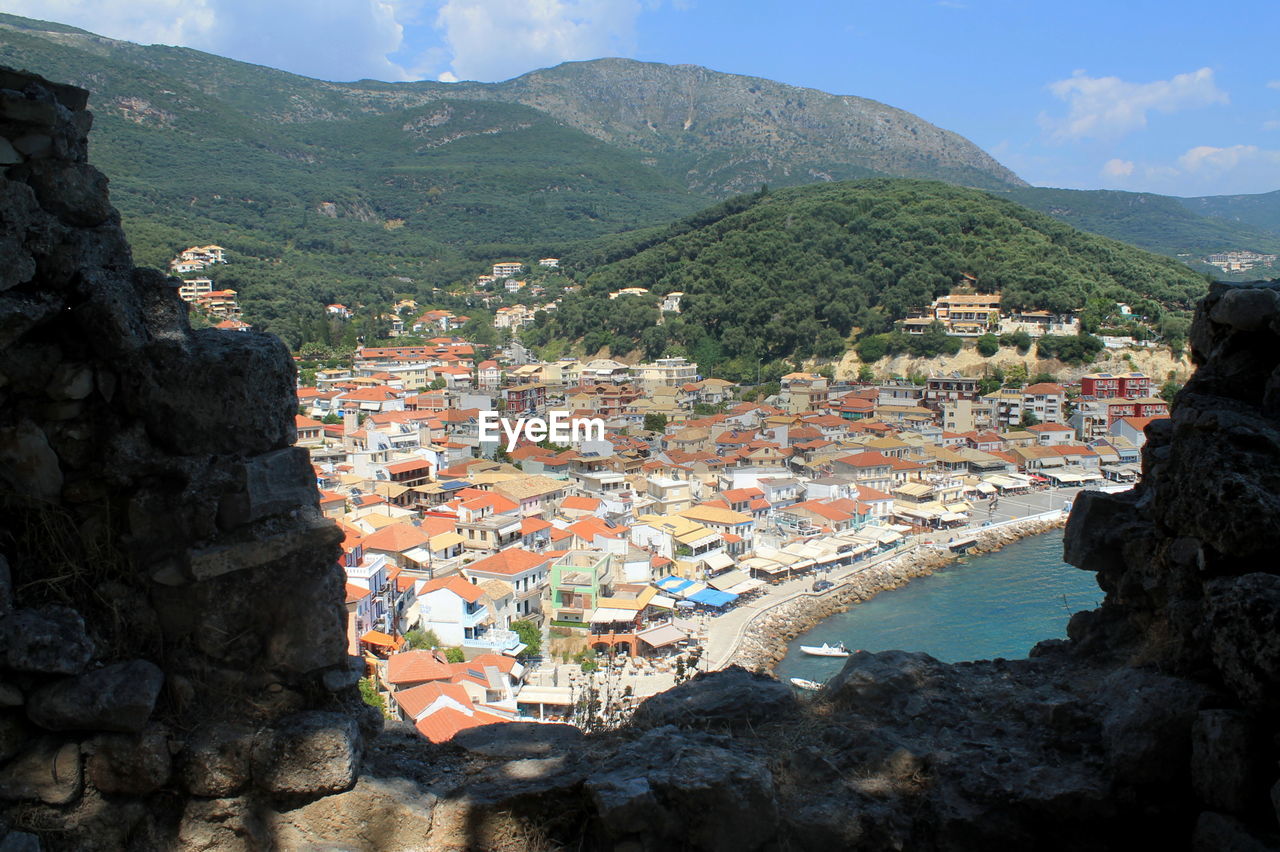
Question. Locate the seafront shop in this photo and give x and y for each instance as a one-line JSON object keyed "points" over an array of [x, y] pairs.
{"points": [[776, 565]]}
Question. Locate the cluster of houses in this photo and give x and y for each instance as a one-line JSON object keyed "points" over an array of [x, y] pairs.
{"points": [[219, 306], [1240, 261], [976, 314], [604, 544]]}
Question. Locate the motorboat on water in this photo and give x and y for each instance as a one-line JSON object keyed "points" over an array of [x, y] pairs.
{"points": [[801, 683], [826, 650]]}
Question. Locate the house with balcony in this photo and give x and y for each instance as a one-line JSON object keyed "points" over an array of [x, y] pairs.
{"points": [[488, 521], [737, 529], [1045, 401], [666, 372], [577, 581], [676, 537], [1123, 385], [452, 608], [526, 572]]}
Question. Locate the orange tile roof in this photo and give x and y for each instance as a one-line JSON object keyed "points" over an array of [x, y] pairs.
{"points": [[588, 504], [508, 562], [533, 525], [866, 460], [407, 466], [396, 538], [442, 725], [415, 699], [469, 592], [419, 665], [356, 593]]}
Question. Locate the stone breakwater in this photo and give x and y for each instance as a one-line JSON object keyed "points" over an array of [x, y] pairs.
{"points": [[764, 642]]}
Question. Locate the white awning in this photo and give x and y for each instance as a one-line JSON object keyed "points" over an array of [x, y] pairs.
{"points": [[726, 581], [718, 561], [606, 615], [748, 585], [662, 602], [662, 635], [985, 488]]}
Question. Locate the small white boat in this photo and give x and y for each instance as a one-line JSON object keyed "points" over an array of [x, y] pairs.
{"points": [[825, 650], [801, 683]]}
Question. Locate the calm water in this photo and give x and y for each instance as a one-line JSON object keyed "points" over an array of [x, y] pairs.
{"points": [[995, 605]]}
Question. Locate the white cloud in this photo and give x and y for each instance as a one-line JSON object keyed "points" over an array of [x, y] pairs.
{"points": [[183, 22], [1117, 168], [1108, 107], [1209, 158], [330, 39], [498, 39], [1273, 84]]}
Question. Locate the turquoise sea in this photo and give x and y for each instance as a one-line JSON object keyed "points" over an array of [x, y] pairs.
{"points": [[978, 608]]}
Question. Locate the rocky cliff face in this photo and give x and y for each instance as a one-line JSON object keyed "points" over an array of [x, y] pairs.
{"points": [[171, 657]]}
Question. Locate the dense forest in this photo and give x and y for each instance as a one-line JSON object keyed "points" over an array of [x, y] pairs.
{"points": [[1190, 228], [796, 272]]}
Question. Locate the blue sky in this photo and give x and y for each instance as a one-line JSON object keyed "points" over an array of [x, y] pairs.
{"points": [[1175, 97]]}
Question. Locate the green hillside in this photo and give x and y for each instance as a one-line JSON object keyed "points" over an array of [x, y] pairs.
{"points": [[1259, 211], [796, 271], [1176, 227]]}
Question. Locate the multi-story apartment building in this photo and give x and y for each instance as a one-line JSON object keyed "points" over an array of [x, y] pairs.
{"points": [[1110, 385]]}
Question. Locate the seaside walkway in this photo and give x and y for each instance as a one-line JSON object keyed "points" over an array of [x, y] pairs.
{"points": [[724, 632]]}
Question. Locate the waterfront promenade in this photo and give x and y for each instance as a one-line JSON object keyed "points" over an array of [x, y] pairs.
{"points": [[722, 634]]}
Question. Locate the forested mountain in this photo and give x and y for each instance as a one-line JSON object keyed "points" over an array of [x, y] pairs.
{"points": [[1259, 211], [793, 272], [569, 152], [1158, 223]]}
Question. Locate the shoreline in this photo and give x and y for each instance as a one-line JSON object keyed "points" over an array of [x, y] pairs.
{"points": [[763, 644]]}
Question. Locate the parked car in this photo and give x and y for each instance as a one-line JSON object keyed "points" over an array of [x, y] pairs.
{"points": [[822, 585]]}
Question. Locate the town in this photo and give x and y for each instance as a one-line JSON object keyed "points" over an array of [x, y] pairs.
{"points": [[491, 580]]}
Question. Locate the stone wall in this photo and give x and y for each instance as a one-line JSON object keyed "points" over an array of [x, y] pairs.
{"points": [[172, 670], [171, 617]]}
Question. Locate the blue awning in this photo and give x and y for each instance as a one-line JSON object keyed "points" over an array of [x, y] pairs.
{"points": [[673, 584], [713, 598]]}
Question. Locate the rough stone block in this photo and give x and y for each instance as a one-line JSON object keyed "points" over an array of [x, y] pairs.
{"points": [[222, 825], [133, 764], [308, 753], [46, 641], [1217, 832], [269, 484], [1243, 620], [1246, 308], [1146, 724], [50, 771], [28, 464], [733, 698], [74, 192], [252, 377], [1225, 757], [259, 549], [215, 762], [119, 697]]}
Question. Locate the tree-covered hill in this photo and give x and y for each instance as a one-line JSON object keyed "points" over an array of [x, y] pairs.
{"points": [[571, 152], [795, 271], [1187, 228], [1261, 210]]}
